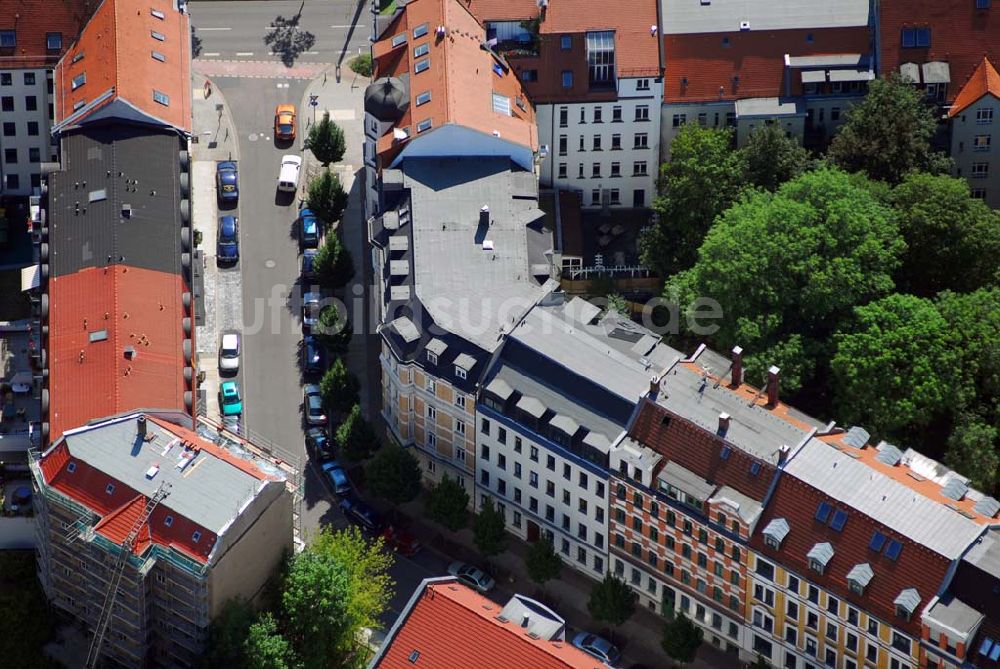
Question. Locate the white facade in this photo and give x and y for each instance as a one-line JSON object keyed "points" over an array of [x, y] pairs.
{"points": [[609, 151], [975, 139], [543, 491], [26, 102]]}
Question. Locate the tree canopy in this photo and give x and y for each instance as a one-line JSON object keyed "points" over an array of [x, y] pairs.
{"points": [[314, 601], [326, 141], [612, 600], [227, 635], [448, 504], [333, 264], [326, 197], [488, 529], [681, 639], [770, 157], [339, 387], [394, 475], [542, 561], [888, 134], [265, 647], [355, 436]]}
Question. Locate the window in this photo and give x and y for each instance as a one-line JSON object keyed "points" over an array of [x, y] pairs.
{"points": [[31, 103], [894, 548], [984, 115], [421, 65], [517, 444], [981, 143], [157, 14], [9, 129], [563, 117], [53, 41], [601, 56], [639, 168], [6, 79], [159, 37], [566, 42], [616, 196], [823, 512], [533, 454], [550, 489], [196, 537], [501, 104], [982, 4], [598, 514], [29, 78], [71, 467], [432, 441], [679, 120], [567, 79], [900, 642], [550, 463], [832, 605], [793, 584], [34, 155], [158, 56], [10, 156], [8, 39], [831, 632], [641, 141], [735, 553], [877, 541], [563, 145], [597, 114], [596, 171], [484, 427], [432, 415], [533, 479], [838, 521], [399, 39], [583, 115], [642, 84], [791, 635], [763, 594], [977, 193], [460, 454], [460, 401], [642, 113], [765, 569], [550, 513], [423, 98], [597, 142], [835, 113], [420, 31], [979, 170], [502, 435], [516, 522], [702, 119], [616, 114], [110, 488], [599, 489], [852, 642], [161, 98], [791, 609], [7, 103], [916, 38]]}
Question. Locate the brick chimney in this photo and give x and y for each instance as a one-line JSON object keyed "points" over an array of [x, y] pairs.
{"points": [[773, 384], [736, 376], [654, 387], [723, 424], [782, 453]]}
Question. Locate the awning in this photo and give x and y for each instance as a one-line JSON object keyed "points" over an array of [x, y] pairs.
{"points": [[910, 71], [936, 72], [813, 76], [31, 277], [851, 75]]}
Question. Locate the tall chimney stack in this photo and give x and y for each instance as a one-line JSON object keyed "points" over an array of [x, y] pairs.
{"points": [[484, 216], [140, 427], [736, 377], [654, 387], [723, 424], [773, 383]]}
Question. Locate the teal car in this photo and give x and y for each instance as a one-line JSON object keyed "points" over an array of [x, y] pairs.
{"points": [[229, 399]]}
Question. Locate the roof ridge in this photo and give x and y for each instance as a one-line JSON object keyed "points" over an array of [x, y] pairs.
{"points": [[121, 510], [984, 80]]}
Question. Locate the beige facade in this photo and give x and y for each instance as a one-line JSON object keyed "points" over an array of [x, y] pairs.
{"points": [[975, 139]]}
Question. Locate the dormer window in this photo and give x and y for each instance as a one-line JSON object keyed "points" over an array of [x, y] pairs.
{"points": [[461, 373], [859, 577], [157, 14], [775, 533], [432, 357], [53, 41], [8, 39], [78, 80], [399, 39], [906, 603], [820, 556]]}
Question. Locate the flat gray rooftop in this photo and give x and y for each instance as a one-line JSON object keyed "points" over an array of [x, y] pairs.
{"points": [[683, 17], [985, 554], [106, 168], [956, 615]]}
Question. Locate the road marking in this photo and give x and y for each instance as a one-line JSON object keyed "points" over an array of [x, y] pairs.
{"points": [[359, 25], [210, 29], [211, 53], [244, 53]]}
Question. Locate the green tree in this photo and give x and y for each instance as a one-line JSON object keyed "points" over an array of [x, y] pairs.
{"points": [[326, 197], [333, 330], [448, 504], [770, 157], [681, 639], [265, 647], [888, 133], [326, 141], [333, 264], [975, 320], [355, 436], [953, 239], [972, 450], [394, 475], [702, 178], [895, 369], [542, 561], [317, 617], [339, 387], [488, 530], [618, 304], [612, 601], [227, 635], [786, 267], [367, 564], [362, 64]]}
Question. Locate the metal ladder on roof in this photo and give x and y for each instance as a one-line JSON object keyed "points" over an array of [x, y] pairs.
{"points": [[107, 609]]}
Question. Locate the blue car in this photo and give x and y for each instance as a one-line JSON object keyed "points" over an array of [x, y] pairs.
{"points": [[227, 181], [337, 477], [361, 514], [308, 229], [312, 355], [228, 239], [308, 257]]}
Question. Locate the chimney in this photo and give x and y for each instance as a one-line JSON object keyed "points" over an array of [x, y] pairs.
{"points": [[140, 427], [723, 424], [654, 387], [524, 620], [782, 453], [736, 377], [484, 216], [773, 383]]}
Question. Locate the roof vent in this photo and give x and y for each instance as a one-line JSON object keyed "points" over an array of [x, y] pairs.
{"points": [[97, 195], [525, 619], [744, 25], [130, 353], [98, 335], [414, 656], [126, 211], [487, 244], [152, 472]]}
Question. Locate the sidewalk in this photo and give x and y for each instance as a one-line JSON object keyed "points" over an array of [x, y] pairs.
{"points": [[639, 638]]}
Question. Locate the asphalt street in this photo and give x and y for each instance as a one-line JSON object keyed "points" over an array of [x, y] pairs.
{"points": [[237, 30]]}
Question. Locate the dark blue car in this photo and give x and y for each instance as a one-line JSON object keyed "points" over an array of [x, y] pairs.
{"points": [[227, 181], [312, 355], [308, 229], [361, 514], [228, 239]]}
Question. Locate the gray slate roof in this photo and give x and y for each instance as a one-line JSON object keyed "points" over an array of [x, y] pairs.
{"points": [[777, 529], [908, 599], [724, 16], [985, 553]]}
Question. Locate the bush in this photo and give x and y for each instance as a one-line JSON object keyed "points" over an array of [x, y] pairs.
{"points": [[362, 65]]}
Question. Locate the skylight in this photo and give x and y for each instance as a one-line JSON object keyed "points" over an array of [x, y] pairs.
{"points": [[839, 519], [878, 540], [893, 550], [823, 512]]}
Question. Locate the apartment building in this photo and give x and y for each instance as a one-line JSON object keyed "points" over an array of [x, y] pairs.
{"points": [[559, 393], [975, 124], [207, 525], [745, 64], [34, 34], [688, 486]]}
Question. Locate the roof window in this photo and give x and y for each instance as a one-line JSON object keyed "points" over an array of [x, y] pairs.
{"points": [[724, 453], [8, 39], [421, 50], [157, 14], [79, 80], [424, 125], [399, 39], [53, 41], [422, 65], [501, 104], [839, 519], [158, 56], [423, 98], [823, 512], [77, 58], [168, 521], [893, 550], [71, 467], [159, 37], [80, 104], [754, 468], [196, 537], [110, 489], [162, 98], [877, 541], [420, 31]]}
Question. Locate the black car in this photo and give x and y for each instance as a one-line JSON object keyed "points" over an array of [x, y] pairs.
{"points": [[308, 257], [227, 181], [318, 442], [313, 356], [362, 515]]}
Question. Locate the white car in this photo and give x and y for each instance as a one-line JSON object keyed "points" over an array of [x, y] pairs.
{"points": [[474, 577], [288, 176], [229, 352]]}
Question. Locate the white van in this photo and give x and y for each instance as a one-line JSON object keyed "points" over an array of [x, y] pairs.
{"points": [[288, 177]]}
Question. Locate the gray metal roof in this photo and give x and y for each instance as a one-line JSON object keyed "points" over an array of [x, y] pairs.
{"points": [[597, 441], [888, 454], [936, 72], [955, 489], [985, 553], [861, 574], [987, 506], [882, 498], [955, 615], [910, 71], [107, 168], [565, 423], [827, 60], [463, 287], [750, 107], [465, 361], [208, 490], [640, 457], [908, 599], [529, 405], [852, 75], [534, 618], [500, 388], [687, 481], [436, 346], [813, 76], [725, 16], [406, 329], [777, 529], [821, 552], [857, 437], [748, 508]]}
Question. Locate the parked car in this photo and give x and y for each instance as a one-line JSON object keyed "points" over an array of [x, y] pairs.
{"points": [[598, 647], [228, 240], [229, 352], [401, 541], [359, 513], [308, 258], [319, 443], [229, 399], [312, 405], [337, 477], [474, 577], [313, 357], [227, 181], [284, 122], [288, 175], [308, 229], [310, 309]]}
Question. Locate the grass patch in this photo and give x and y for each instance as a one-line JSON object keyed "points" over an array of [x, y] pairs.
{"points": [[23, 606], [387, 8]]}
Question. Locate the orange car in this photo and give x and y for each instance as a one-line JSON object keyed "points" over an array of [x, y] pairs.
{"points": [[284, 122]]}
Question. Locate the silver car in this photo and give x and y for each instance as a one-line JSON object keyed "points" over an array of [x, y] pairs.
{"points": [[229, 352], [598, 647], [474, 577], [312, 405], [310, 309]]}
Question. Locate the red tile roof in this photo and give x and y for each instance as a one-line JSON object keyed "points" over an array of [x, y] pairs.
{"points": [[460, 78], [454, 627], [32, 19], [985, 80], [756, 57], [117, 524], [917, 566], [502, 10], [135, 307], [116, 47], [961, 35]]}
